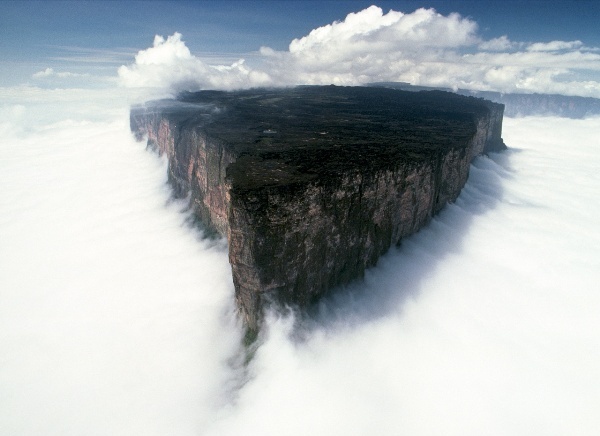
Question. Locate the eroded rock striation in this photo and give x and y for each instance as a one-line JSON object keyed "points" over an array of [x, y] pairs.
{"points": [[311, 185]]}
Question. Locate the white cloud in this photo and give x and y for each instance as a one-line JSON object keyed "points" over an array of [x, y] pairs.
{"points": [[555, 46], [47, 106], [371, 30], [370, 34], [115, 319], [44, 73], [49, 72], [103, 332], [422, 47], [497, 44], [169, 65], [372, 46]]}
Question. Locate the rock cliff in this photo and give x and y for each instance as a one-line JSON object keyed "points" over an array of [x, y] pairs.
{"points": [[311, 185]]}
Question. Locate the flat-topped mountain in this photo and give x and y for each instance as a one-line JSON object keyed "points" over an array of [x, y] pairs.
{"points": [[311, 185]]}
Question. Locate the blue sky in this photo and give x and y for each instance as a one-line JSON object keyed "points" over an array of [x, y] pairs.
{"points": [[98, 36], [32, 28]]}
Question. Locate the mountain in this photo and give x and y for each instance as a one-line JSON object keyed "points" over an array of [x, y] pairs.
{"points": [[311, 185]]}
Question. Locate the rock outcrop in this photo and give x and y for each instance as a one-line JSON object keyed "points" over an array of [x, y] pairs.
{"points": [[311, 185]]}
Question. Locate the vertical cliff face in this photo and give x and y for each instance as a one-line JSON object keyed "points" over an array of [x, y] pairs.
{"points": [[312, 186], [197, 164], [292, 245]]}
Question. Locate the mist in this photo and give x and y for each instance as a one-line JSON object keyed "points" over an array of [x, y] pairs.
{"points": [[117, 315]]}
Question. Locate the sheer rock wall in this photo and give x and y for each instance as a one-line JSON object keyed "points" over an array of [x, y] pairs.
{"points": [[301, 220]]}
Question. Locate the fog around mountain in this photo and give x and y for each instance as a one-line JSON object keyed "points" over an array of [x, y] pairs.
{"points": [[117, 316]]}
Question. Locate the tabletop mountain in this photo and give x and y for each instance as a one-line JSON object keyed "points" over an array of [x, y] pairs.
{"points": [[311, 185]]}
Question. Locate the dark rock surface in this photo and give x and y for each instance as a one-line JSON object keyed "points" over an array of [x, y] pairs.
{"points": [[520, 105], [311, 185]]}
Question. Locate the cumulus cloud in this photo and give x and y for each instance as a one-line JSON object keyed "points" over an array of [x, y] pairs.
{"points": [[422, 47], [372, 46], [371, 29], [168, 64]]}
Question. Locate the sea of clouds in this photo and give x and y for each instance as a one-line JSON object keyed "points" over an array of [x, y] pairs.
{"points": [[117, 317]]}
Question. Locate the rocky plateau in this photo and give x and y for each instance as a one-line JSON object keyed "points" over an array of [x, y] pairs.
{"points": [[311, 185]]}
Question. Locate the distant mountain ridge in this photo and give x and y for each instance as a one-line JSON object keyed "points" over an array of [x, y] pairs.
{"points": [[519, 105]]}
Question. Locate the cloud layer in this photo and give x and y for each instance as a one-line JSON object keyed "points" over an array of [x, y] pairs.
{"points": [[115, 318], [422, 48], [104, 331]]}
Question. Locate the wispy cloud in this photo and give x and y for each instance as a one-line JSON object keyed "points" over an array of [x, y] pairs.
{"points": [[92, 55], [49, 72], [555, 46], [501, 43]]}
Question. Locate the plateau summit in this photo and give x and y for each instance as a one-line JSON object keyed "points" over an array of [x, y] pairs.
{"points": [[312, 184]]}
